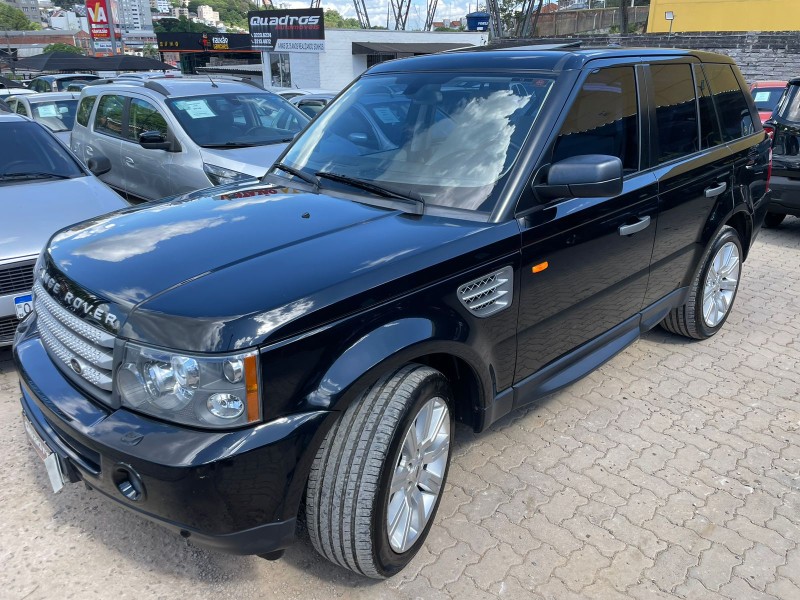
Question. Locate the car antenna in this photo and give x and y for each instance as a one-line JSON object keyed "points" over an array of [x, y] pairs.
{"points": [[212, 81]]}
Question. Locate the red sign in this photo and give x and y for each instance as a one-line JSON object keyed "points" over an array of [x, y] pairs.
{"points": [[97, 11]]}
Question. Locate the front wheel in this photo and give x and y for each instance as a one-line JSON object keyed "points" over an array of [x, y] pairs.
{"points": [[713, 289], [377, 479]]}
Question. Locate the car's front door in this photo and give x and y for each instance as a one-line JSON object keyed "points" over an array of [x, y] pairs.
{"points": [[147, 171], [106, 138], [585, 261]]}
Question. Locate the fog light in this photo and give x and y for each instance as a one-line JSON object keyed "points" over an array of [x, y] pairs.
{"points": [[225, 406]]}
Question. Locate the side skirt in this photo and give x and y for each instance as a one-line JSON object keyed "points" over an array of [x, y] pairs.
{"points": [[581, 361]]}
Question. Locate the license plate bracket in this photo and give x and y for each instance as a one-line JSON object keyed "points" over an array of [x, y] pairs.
{"points": [[23, 305], [50, 459]]}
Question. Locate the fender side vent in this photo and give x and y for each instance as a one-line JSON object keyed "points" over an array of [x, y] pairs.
{"points": [[489, 294]]}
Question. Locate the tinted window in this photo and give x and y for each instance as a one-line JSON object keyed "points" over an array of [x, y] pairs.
{"points": [[108, 118], [58, 115], [85, 110], [143, 116], [734, 112], [21, 109], [29, 153], [4, 107], [789, 106], [676, 111], [311, 107], [710, 133], [603, 119]]}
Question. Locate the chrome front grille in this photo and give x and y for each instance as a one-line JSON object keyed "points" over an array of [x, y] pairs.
{"points": [[488, 294], [16, 278], [86, 350]]}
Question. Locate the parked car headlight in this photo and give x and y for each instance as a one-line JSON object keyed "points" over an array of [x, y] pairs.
{"points": [[221, 176], [202, 391]]}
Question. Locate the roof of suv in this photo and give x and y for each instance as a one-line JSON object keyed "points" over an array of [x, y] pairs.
{"points": [[173, 87], [533, 58]]}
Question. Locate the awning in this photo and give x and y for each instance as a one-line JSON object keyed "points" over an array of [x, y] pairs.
{"points": [[430, 48]]}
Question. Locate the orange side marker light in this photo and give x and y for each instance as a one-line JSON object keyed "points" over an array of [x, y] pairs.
{"points": [[540, 267]]}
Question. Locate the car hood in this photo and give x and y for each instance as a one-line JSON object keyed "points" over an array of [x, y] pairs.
{"points": [[254, 161], [34, 210], [233, 267]]}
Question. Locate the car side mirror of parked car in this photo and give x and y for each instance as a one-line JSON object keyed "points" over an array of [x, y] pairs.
{"points": [[585, 176], [98, 165], [154, 140]]}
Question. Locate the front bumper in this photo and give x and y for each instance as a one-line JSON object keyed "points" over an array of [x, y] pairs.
{"points": [[231, 491], [785, 195]]}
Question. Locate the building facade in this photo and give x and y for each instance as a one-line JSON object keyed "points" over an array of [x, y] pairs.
{"points": [[723, 15], [135, 15], [206, 13], [29, 7]]}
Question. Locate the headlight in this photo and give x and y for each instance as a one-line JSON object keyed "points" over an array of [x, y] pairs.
{"points": [[221, 176], [203, 391]]}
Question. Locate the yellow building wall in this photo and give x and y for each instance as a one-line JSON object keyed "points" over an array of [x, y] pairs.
{"points": [[725, 15]]}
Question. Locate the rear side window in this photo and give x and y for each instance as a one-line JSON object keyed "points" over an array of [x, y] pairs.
{"points": [[85, 110], [676, 111], [789, 105], [143, 116], [710, 132], [603, 119], [108, 118], [734, 112], [21, 109]]}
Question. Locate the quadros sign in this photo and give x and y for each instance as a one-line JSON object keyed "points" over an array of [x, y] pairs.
{"points": [[300, 30]]}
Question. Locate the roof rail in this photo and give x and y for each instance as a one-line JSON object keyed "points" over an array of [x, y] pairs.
{"points": [[559, 46], [156, 87]]}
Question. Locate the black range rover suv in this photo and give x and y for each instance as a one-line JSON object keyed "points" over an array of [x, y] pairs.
{"points": [[456, 235], [785, 182]]}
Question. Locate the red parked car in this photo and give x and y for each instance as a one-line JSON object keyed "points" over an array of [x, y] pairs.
{"points": [[766, 95]]}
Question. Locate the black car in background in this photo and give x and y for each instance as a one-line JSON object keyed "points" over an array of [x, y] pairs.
{"points": [[785, 182], [454, 236]]}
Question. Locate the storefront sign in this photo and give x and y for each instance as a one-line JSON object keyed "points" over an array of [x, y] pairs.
{"points": [[97, 12], [203, 42], [300, 30]]}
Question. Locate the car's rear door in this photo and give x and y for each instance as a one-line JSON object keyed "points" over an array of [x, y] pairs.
{"points": [[585, 261], [106, 138]]}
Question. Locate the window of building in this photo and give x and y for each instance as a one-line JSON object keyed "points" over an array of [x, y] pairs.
{"points": [[604, 119], [676, 111], [734, 112], [280, 69]]}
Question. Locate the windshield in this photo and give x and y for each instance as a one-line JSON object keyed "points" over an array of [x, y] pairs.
{"points": [[61, 84], [56, 116], [767, 98], [446, 138], [237, 120], [29, 153]]}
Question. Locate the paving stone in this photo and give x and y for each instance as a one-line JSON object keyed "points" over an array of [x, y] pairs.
{"points": [[760, 564], [715, 568], [494, 565], [670, 568]]}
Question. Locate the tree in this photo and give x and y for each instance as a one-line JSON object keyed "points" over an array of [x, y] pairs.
{"points": [[13, 19], [151, 51], [59, 47], [335, 20], [181, 25]]}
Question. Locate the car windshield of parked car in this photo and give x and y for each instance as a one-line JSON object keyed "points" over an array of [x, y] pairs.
{"points": [[446, 138], [29, 153], [767, 98], [56, 115], [237, 120]]}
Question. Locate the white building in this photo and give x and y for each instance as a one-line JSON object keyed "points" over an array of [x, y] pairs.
{"points": [[350, 52], [180, 12], [206, 13], [135, 15], [29, 7], [162, 6], [66, 19]]}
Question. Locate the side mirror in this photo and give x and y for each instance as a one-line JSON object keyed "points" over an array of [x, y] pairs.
{"points": [[154, 140], [585, 176], [98, 165]]}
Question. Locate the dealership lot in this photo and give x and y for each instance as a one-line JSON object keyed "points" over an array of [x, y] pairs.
{"points": [[671, 471]]}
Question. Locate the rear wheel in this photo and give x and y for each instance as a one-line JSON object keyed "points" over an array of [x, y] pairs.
{"points": [[377, 479], [773, 219], [713, 289]]}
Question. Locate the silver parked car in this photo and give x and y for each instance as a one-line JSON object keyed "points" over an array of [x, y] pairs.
{"points": [[54, 110], [172, 136], [43, 188]]}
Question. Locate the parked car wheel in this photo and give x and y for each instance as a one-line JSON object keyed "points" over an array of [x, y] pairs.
{"points": [[377, 479], [773, 219], [713, 289]]}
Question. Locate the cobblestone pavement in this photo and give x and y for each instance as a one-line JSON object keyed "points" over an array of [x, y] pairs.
{"points": [[670, 472]]}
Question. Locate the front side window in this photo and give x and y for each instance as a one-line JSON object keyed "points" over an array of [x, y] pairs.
{"points": [[108, 118], [143, 116], [676, 111], [237, 120], [57, 115], [604, 119], [447, 138], [85, 110], [732, 106]]}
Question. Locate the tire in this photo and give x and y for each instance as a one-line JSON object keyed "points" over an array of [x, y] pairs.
{"points": [[690, 320], [772, 220], [348, 494]]}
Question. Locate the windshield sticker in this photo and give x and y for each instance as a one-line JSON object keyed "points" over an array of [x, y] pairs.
{"points": [[762, 97], [47, 110], [197, 109], [386, 115]]}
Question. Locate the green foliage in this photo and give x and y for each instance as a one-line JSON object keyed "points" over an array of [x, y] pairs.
{"points": [[59, 47], [14, 19], [334, 20], [193, 4], [151, 51], [181, 25]]}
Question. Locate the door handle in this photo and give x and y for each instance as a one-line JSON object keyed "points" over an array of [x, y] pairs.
{"points": [[641, 224], [716, 191], [89, 150], [129, 161]]}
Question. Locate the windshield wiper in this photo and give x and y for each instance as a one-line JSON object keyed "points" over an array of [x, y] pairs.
{"points": [[374, 188], [230, 145], [34, 175], [299, 174]]}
